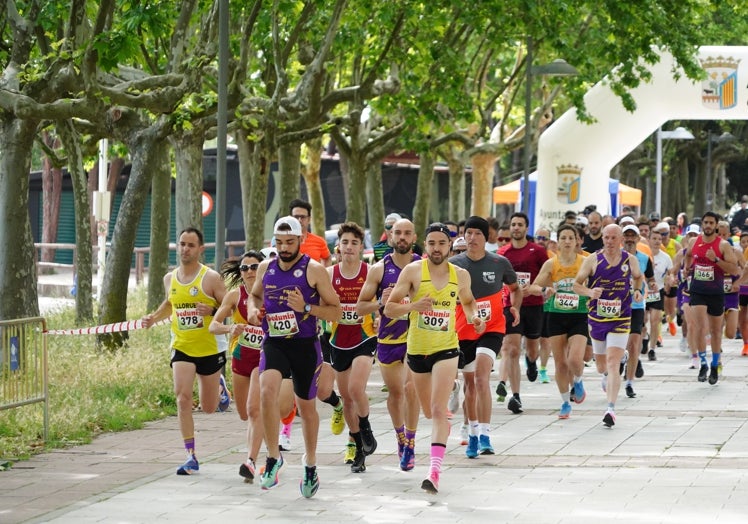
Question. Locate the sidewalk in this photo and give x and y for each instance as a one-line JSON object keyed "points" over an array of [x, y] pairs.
{"points": [[677, 454]]}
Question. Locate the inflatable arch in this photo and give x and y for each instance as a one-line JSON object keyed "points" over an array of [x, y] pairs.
{"points": [[575, 159]]}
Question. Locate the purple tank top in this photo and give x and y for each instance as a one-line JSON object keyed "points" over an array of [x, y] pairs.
{"points": [[280, 320], [615, 302], [391, 330]]}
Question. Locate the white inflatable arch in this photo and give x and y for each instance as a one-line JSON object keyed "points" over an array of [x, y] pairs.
{"points": [[575, 159]]}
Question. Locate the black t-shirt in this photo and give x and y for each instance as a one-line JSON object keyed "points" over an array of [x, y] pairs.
{"points": [[590, 245]]}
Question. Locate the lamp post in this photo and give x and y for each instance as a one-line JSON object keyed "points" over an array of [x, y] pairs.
{"points": [[711, 139], [558, 67], [679, 133]]}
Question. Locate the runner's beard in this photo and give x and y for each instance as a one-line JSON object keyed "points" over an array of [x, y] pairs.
{"points": [[402, 248], [285, 257]]}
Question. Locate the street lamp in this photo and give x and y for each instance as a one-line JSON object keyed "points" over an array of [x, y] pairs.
{"points": [[710, 139], [679, 133], [558, 67]]}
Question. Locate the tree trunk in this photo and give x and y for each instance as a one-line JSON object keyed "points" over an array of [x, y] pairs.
{"points": [[18, 258], [699, 197], [456, 185], [423, 193], [356, 203], [375, 195], [188, 153], [482, 181], [51, 196], [311, 173], [289, 165], [260, 159], [82, 208], [244, 155], [142, 146], [158, 263]]}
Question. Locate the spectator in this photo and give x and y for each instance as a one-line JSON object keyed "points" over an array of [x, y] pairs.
{"points": [[740, 219], [384, 246]]}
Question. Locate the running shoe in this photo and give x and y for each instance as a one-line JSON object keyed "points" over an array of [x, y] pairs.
{"points": [[713, 375], [484, 445], [609, 419], [671, 328], [639, 373], [431, 484], [622, 366], [652, 356], [464, 435], [454, 398], [703, 370], [532, 369], [471, 451], [501, 392], [408, 460], [565, 410], [744, 353], [359, 462], [683, 345], [367, 436], [248, 471], [544, 377], [310, 483], [350, 453], [284, 441], [224, 399], [515, 405], [270, 476], [630, 393], [190, 467], [694, 363], [659, 341], [400, 449], [604, 383], [337, 421], [579, 393]]}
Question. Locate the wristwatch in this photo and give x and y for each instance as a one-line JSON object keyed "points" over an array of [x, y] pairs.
{"points": [[307, 308]]}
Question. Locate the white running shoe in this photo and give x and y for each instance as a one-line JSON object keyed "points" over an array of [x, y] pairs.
{"points": [[683, 345], [454, 397], [284, 442]]}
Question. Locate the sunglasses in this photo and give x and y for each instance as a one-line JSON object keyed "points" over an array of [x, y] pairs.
{"points": [[503, 239], [388, 226], [541, 238], [458, 251], [247, 267]]}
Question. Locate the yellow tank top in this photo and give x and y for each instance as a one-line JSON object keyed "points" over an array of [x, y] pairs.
{"points": [[189, 330], [434, 331], [565, 300]]}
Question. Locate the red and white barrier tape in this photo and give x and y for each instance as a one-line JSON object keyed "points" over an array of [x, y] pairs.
{"points": [[116, 327]]}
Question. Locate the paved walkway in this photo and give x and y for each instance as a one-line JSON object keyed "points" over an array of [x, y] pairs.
{"points": [[678, 454]]}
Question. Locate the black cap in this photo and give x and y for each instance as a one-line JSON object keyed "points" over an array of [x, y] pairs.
{"points": [[440, 228]]}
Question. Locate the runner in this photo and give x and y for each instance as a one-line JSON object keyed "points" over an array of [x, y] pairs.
{"points": [[433, 287], [402, 403]]}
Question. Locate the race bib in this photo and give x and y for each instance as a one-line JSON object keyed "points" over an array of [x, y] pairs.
{"points": [[282, 324], [704, 273], [523, 278], [252, 337], [483, 309], [189, 318], [608, 308], [350, 317], [435, 320], [563, 300], [653, 296], [727, 286]]}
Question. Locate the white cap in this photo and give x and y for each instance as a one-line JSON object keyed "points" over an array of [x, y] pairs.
{"points": [[293, 226], [268, 252], [662, 227], [693, 228], [459, 243], [626, 220], [582, 220], [392, 217], [630, 227]]}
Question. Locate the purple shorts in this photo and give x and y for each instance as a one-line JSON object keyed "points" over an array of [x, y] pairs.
{"points": [[731, 301], [599, 330], [391, 353]]}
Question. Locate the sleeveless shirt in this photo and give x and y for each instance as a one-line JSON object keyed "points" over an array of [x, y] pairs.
{"points": [[351, 330], [189, 329], [434, 331], [280, 320]]}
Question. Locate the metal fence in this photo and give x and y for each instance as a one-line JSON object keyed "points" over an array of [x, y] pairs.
{"points": [[23, 365]]}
